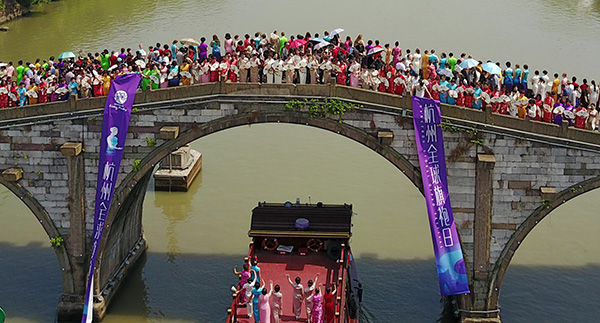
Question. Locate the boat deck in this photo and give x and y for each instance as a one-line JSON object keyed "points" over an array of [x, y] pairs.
{"points": [[275, 267]]}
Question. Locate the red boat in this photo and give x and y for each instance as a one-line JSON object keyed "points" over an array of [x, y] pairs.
{"points": [[303, 240]]}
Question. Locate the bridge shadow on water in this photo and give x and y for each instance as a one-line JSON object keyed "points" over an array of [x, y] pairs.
{"points": [[30, 282], [196, 288], [561, 294]]}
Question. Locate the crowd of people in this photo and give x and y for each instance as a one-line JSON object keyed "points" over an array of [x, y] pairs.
{"points": [[265, 305], [309, 59]]}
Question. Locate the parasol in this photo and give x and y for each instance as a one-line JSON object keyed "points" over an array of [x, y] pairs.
{"points": [[66, 55], [336, 32]]}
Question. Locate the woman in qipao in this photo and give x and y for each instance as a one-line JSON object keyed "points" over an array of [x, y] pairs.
{"points": [[317, 312]]}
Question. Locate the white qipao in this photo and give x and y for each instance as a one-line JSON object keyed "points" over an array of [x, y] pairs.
{"points": [[269, 70], [278, 68], [302, 64], [243, 69], [313, 67]]}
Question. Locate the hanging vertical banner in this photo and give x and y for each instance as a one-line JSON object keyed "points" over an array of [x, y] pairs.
{"points": [[451, 270], [114, 131]]}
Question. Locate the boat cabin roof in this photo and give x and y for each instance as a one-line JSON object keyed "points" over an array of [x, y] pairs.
{"points": [[279, 220]]}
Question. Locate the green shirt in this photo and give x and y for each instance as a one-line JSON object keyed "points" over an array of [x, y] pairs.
{"points": [[152, 84], [282, 42], [104, 63], [452, 62], [146, 80], [19, 70]]}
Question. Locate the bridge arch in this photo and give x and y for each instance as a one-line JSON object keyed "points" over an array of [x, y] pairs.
{"points": [[136, 182], [527, 227], [44, 219]]}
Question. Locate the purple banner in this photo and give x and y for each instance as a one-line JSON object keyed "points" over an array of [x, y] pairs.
{"points": [[114, 131], [451, 270]]}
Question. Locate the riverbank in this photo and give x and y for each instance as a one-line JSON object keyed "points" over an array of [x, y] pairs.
{"points": [[11, 9], [11, 12]]}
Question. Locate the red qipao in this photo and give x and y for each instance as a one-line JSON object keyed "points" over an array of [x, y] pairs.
{"points": [[503, 107], [12, 103], [484, 104], [214, 72], [329, 308], [233, 70], [496, 105], [469, 98], [538, 116], [389, 74], [580, 117], [434, 93], [42, 95], [547, 114], [460, 100], [341, 76], [399, 87], [4, 99]]}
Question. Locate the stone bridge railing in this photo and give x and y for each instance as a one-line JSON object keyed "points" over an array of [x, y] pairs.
{"points": [[186, 94]]}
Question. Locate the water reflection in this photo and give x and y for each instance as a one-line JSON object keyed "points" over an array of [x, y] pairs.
{"points": [[175, 213]]}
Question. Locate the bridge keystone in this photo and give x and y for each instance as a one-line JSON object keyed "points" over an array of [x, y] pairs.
{"points": [[169, 132], [548, 192], [386, 136]]}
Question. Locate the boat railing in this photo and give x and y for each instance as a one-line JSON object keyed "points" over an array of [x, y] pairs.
{"points": [[232, 310], [341, 287]]}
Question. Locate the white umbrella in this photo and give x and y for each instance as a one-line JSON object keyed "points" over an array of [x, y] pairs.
{"points": [[190, 42], [375, 50], [3, 64], [335, 32], [321, 45]]}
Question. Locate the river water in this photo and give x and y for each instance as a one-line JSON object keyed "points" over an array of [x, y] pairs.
{"points": [[195, 238]]}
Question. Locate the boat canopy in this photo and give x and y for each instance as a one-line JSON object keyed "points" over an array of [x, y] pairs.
{"points": [[301, 220]]}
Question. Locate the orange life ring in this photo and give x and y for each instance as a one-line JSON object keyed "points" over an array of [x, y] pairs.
{"points": [[270, 244], [315, 245]]}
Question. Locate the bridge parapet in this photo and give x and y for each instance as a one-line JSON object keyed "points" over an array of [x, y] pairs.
{"points": [[162, 97]]}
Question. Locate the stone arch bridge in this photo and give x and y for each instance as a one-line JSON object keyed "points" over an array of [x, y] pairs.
{"points": [[504, 174]]}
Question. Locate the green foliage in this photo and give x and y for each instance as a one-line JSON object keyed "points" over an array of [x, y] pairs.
{"points": [[135, 110], [317, 109], [136, 165], [478, 141], [546, 204], [448, 127], [151, 142], [57, 242]]}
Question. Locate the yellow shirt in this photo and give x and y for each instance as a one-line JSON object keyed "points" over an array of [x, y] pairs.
{"points": [[555, 85], [388, 56], [106, 81]]}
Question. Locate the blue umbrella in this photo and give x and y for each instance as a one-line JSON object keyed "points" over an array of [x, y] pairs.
{"points": [[66, 55], [468, 63], [492, 68]]}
